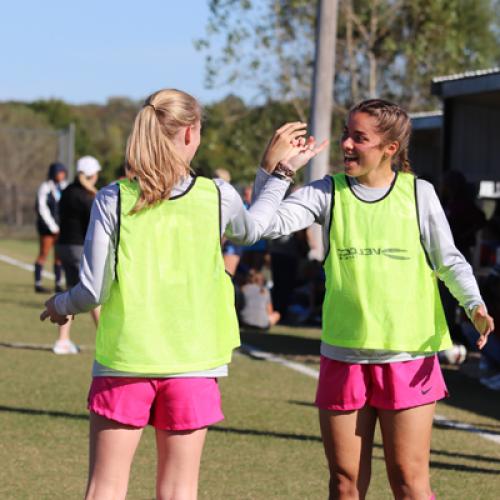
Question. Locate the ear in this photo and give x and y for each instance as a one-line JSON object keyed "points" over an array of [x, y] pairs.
{"points": [[392, 148], [187, 136]]}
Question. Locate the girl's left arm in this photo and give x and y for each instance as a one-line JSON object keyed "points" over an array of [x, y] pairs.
{"points": [[247, 226], [97, 262], [447, 261]]}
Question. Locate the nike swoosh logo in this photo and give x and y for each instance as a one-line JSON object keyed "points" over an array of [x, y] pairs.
{"points": [[425, 391]]}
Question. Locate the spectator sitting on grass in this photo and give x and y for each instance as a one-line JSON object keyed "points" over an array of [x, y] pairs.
{"points": [[257, 310]]}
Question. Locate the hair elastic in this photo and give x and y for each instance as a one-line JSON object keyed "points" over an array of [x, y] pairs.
{"points": [[149, 104]]}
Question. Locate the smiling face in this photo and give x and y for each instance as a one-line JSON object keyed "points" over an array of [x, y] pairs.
{"points": [[364, 148]]}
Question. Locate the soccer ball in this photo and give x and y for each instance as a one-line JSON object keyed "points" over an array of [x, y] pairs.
{"points": [[455, 355]]}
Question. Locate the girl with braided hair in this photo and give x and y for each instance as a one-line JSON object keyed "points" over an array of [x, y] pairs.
{"points": [[386, 239]]}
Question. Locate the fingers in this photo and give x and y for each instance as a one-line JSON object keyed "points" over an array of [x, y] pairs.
{"points": [[300, 144], [310, 145], [483, 322], [290, 132], [321, 147], [291, 126], [483, 339]]}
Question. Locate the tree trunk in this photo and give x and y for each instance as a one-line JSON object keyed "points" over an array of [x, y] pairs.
{"points": [[372, 84], [351, 53]]}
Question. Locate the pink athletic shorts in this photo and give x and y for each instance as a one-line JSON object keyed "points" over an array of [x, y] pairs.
{"points": [[388, 386], [172, 404]]}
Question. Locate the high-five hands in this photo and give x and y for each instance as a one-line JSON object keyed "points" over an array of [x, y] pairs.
{"points": [[304, 151], [483, 323], [50, 312], [289, 145]]}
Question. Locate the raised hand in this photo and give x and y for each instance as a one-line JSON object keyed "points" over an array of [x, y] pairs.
{"points": [[483, 323], [284, 144], [302, 153], [50, 312]]}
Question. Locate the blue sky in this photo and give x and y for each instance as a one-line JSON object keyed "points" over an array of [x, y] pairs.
{"points": [[88, 51]]}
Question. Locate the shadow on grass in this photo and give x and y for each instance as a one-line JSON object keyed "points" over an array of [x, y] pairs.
{"points": [[466, 456], [36, 306], [24, 345], [434, 464], [253, 432], [279, 435], [281, 344], [16, 287], [302, 403], [468, 394], [462, 468], [454, 454], [457, 467], [44, 413]]}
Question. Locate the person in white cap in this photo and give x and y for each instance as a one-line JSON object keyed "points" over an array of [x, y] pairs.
{"points": [[74, 207]]}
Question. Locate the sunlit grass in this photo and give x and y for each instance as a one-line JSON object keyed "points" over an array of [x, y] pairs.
{"points": [[268, 447]]}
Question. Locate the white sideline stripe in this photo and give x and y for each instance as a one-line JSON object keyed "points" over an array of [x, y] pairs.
{"points": [[453, 424], [311, 372], [23, 265], [257, 353]]}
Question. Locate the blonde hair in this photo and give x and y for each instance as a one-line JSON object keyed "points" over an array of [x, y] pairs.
{"points": [[393, 123], [151, 157]]}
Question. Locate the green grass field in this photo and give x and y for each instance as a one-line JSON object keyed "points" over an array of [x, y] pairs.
{"points": [[267, 448]]}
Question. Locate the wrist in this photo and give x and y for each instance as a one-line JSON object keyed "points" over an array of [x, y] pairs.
{"points": [[268, 166], [285, 169], [282, 177], [265, 170]]}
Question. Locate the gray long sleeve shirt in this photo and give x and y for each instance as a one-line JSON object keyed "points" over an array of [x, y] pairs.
{"points": [[313, 202], [97, 266]]}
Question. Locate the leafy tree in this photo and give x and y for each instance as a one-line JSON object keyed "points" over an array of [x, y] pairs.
{"points": [[234, 136], [389, 48]]}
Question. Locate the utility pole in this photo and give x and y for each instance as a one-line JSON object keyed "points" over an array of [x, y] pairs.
{"points": [[71, 150], [322, 95], [66, 149]]}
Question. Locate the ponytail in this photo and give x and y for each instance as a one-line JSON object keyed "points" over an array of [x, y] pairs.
{"points": [[151, 157]]}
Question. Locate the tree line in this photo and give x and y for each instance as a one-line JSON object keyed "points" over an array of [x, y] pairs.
{"points": [[234, 137], [385, 48]]}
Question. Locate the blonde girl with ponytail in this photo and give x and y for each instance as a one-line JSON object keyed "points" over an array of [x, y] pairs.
{"points": [[152, 258], [386, 239]]}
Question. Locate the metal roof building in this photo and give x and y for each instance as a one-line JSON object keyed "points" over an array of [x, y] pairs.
{"points": [[471, 123], [426, 143]]}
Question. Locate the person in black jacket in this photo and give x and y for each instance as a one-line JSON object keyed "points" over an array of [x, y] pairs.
{"points": [[47, 222], [74, 212]]}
